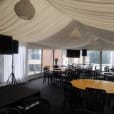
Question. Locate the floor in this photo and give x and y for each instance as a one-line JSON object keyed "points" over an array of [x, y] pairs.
{"points": [[53, 94]]}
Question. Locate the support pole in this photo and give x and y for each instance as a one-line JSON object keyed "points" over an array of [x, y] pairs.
{"points": [[12, 75]]}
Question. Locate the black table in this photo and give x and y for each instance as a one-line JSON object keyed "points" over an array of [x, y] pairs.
{"points": [[13, 93]]}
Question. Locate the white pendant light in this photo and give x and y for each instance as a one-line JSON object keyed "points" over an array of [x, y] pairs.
{"points": [[24, 9], [75, 34]]}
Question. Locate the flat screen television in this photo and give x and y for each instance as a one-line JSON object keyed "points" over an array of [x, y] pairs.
{"points": [[73, 53]]}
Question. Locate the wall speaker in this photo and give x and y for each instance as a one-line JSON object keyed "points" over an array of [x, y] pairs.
{"points": [[68, 54], [5, 44], [84, 52], [15, 46]]}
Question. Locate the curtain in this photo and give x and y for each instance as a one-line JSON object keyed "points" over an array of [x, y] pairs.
{"points": [[47, 57], [19, 65]]}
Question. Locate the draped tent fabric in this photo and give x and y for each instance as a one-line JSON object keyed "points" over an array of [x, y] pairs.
{"points": [[96, 13], [63, 39], [46, 22], [90, 38], [62, 23]]}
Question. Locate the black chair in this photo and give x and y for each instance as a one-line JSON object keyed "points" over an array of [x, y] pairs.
{"points": [[9, 110], [106, 69], [69, 76], [96, 100], [34, 105], [47, 75], [72, 98], [111, 104], [112, 69], [57, 78]]}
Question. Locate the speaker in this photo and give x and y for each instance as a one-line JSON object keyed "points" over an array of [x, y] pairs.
{"points": [[15, 46], [69, 53], [84, 52], [5, 44]]}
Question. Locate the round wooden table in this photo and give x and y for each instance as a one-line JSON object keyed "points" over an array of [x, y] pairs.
{"points": [[98, 84]]}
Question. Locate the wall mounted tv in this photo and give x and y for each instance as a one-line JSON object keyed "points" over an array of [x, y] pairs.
{"points": [[73, 53], [5, 44]]}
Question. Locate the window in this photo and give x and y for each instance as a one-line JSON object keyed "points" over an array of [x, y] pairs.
{"points": [[93, 57], [34, 61], [107, 59]]}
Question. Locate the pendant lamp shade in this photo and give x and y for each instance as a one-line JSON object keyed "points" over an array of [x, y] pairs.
{"points": [[24, 9]]}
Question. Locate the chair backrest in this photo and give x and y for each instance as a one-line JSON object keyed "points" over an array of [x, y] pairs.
{"points": [[106, 69], [89, 67], [67, 92], [9, 110], [71, 94], [95, 100], [46, 70], [112, 69]]}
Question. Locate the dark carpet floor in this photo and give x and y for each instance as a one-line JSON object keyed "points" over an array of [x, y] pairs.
{"points": [[50, 92]]}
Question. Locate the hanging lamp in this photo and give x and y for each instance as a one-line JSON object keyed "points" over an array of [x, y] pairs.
{"points": [[24, 9]]}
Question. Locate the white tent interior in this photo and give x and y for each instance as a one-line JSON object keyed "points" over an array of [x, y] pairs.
{"points": [[61, 23]]}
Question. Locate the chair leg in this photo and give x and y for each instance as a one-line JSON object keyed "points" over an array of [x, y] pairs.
{"points": [[44, 80]]}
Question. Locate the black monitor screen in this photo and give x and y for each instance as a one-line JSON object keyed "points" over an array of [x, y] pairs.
{"points": [[73, 53]]}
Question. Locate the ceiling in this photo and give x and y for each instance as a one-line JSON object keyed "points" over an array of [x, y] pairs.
{"points": [[62, 24]]}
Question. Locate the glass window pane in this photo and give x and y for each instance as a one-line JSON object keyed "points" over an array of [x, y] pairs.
{"points": [[34, 61], [93, 57], [107, 59]]}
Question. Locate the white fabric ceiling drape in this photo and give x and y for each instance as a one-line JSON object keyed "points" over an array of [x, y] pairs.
{"points": [[47, 21], [62, 23], [96, 13]]}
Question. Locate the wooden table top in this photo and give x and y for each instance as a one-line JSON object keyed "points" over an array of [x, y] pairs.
{"points": [[98, 84]]}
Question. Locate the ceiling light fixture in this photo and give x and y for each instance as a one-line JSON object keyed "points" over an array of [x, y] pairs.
{"points": [[24, 9], [75, 34]]}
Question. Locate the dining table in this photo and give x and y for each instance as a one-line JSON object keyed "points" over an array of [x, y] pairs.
{"points": [[82, 84]]}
